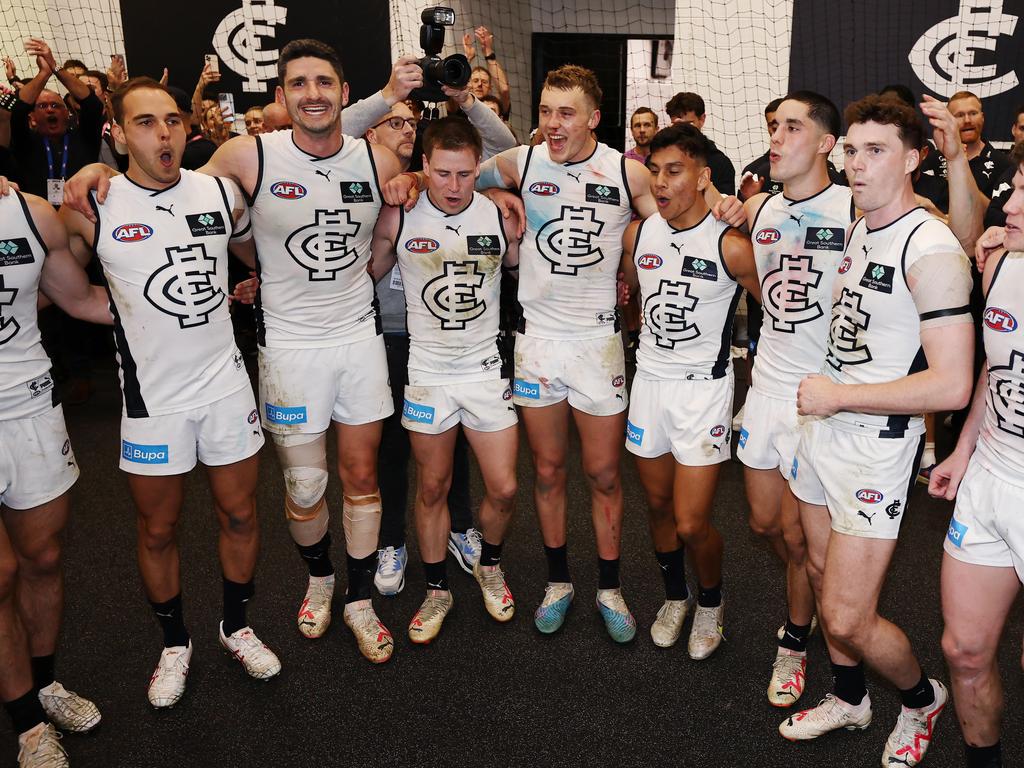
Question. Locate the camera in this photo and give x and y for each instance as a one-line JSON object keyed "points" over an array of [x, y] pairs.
{"points": [[452, 71]]}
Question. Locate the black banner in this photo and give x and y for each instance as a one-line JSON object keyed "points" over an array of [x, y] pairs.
{"points": [[247, 35], [851, 48]]}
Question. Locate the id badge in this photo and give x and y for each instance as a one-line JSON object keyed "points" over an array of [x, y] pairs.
{"points": [[55, 191], [396, 279]]}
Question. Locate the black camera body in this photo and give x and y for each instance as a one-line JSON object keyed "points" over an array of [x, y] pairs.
{"points": [[452, 71]]}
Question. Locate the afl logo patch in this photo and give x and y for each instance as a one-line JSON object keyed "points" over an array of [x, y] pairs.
{"points": [[507, 394], [288, 190], [544, 188], [421, 245], [999, 320], [767, 236], [649, 261], [618, 381], [252, 417], [717, 431], [66, 448], [845, 264], [133, 233], [869, 496]]}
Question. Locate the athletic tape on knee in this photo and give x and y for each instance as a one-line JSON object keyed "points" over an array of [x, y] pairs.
{"points": [[362, 524], [304, 461]]}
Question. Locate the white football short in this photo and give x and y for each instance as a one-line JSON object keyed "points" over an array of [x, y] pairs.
{"points": [[864, 480], [484, 406], [691, 418], [770, 432], [303, 390], [223, 432], [591, 373], [36, 461]]}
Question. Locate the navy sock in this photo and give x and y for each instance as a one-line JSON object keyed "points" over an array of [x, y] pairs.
{"points": [[236, 595], [849, 683], [983, 757], [709, 597], [360, 577], [436, 575], [25, 712], [607, 573], [558, 564], [490, 554], [794, 638], [42, 670], [673, 573], [318, 557], [921, 695], [172, 621]]}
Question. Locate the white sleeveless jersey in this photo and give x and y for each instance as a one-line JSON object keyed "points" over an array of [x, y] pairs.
{"points": [[797, 246], [1001, 441], [875, 331], [451, 271], [165, 256], [313, 221], [26, 387], [688, 299], [569, 257]]}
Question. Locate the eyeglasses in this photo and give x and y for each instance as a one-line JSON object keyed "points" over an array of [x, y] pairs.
{"points": [[396, 123]]}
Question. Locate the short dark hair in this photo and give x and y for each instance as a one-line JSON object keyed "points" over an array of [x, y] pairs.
{"points": [[101, 76], [685, 102], [134, 84], [901, 92], [1017, 154], [569, 76], [307, 46], [884, 111], [490, 98], [687, 138], [451, 133], [773, 106], [182, 99], [820, 109], [73, 63], [643, 111]]}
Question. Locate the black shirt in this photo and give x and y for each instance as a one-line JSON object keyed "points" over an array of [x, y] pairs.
{"points": [[29, 148], [988, 167], [994, 216], [198, 151], [723, 172]]}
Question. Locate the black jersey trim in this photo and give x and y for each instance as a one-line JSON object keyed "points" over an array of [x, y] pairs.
{"points": [[916, 468], [227, 203], [243, 230], [898, 218], [501, 227], [853, 210], [526, 168], [260, 162], [153, 192], [964, 310], [54, 393], [721, 366], [401, 226], [376, 176], [96, 228], [757, 215], [134, 404], [257, 305], [903, 255], [597, 145], [691, 227], [310, 155], [791, 201], [625, 183], [995, 273], [721, 254], [32, 224], [636, 240]]}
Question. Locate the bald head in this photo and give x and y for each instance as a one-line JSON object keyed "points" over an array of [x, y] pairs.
{"points": [[275, 118]]}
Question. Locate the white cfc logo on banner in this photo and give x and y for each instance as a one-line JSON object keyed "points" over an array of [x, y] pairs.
{"points": [[945, 58], [240, 38]]}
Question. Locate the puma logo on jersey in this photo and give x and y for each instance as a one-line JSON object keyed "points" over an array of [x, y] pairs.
{"points": [[322, 248], [451, 297], [866, 250], [9, 326], [665, 313], [566, 242], [786, 293], [678, 248], [1006, 394], [848, 319], [797, 219], [453, 229], [575, 176], [860, 512], [169, 209], [326, 174], [182, 287]]}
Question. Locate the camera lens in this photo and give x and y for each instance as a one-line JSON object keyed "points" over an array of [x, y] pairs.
{"points": [[456, 71]]}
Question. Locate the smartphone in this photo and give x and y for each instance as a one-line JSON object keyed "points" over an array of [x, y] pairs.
{"points": [[212, 62], [227, 106]]}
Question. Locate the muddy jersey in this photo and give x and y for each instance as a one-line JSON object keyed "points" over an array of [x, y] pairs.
{"points": [[165, 257], [451, 273], [1001, 440], [26, 386], [875, 331], [688, 299], [569, 257], [313, 220], [797, 246]]}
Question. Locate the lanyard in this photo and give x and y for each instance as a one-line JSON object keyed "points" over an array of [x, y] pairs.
{"points": [[63, 162]]}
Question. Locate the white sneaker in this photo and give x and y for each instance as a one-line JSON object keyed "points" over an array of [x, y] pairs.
{"points": [[706, 632], [390, 576], [67, 710], [831, 714], [466, 548], [910, 738], [789, 671], [315, 612], [258, 660], [167, 685], [40, 748], [669, 623], [372, 637]]}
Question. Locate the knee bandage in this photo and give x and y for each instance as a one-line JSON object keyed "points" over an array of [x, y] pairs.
{"points": [[304, 461], [362, 524]]}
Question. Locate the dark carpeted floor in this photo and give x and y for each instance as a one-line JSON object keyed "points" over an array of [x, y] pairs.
{"points": [[483, 693]]}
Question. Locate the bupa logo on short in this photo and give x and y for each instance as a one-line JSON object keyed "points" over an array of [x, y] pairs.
{"points": [[999, 320], [421, 245], [544, 188], [132, 233], [869, 496], [288, 190], [767, 236], [649, 261], [144, 454]]}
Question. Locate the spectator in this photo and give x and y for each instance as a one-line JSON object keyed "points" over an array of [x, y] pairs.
{"points": [[198, 148], [254, 120], [688, 108], [215, 128], [496, 80], [643, 125], [275, 118], [1003, 188], [987, 163]]}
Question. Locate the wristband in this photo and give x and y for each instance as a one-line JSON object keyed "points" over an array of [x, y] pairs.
{"points": [[490, 57]]}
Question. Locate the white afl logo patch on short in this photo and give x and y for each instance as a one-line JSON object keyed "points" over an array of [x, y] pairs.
{"points": [[999, 320], [649, 261], [767, 236], [288, 190], [132, 233], [421, 245], [869, 496], [544, 188]]}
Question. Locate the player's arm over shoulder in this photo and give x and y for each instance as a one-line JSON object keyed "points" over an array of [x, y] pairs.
{"points": [[938, 275], [242, 244], [382, 248], [639, 180], [738, 255], [386, 163], [509, 227], [502, 170], [628, 266], [236, 159]]}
